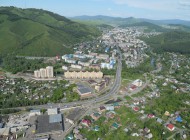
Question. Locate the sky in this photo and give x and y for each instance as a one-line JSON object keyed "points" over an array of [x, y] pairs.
{"points": [[151, 9]]}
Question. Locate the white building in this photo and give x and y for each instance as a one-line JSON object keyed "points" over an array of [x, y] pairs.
{"points": [[65, 68], [106, 65], [34, 113], [43, 73], [76, 66], [52, 111], [49, 71], [137, 83], [37, 74], [70, 61]]}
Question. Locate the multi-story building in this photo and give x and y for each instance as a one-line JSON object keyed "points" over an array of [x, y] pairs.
{"points": [[83, 75], [76, 66], [107, 65], [49, 72], [37, 74], [44, 72]]}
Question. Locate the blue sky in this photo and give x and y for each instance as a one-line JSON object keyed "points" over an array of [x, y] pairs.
{"points": [[152, 9]]}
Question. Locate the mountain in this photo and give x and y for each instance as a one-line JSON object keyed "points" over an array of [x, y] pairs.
{"points": [[149, 26], [174, 41], [37, 32], [117, 21], [99, 19]]}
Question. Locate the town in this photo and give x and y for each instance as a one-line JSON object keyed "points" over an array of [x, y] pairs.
{"points": [[87, 94]]}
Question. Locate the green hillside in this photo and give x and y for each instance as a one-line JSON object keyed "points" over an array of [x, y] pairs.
{"points": [[175, 41], [149, 26], [39, 33]]}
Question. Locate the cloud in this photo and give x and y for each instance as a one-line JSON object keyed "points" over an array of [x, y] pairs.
{"points": [[149, 4], [185, 4]]}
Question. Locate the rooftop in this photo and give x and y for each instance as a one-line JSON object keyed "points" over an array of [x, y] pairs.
{"points": [[49, 123]]}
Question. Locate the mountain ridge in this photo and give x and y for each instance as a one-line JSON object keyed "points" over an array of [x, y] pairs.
{"points": [[38, 32]]}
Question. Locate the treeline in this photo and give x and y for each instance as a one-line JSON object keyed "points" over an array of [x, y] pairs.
{"points": [[133, 73], [14, 64], [175, 41]]}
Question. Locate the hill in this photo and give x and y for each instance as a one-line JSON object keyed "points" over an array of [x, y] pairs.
{"points": [[37, 32], [149, 26], [117, 21], [99, 19], [174, 41]]}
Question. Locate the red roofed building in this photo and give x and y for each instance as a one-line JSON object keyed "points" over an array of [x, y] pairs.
{"points": [[135, 108], [170, 127], [132, 87], [150, 116], [86, 122]]}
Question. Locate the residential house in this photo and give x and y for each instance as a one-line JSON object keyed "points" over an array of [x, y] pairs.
{"points": [[102, 109], [95, 116], [170, 127], [86, 122]]}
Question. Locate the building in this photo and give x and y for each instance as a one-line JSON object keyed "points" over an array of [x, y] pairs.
{"points": [[34, 113], [52, 111], [76, 66], [84, 91], [49, 124], [49, 71], [83, 75], [85, 64], [37, 74], [107, 66], [170, 127], [70, 61], [44, 72], [137, 83], [103, 56], [95, 116], [100, 86], [65, 68], [86, 122]]}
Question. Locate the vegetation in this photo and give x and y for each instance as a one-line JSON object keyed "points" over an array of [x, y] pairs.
{"points": [[13, 64], [39, 33], [134, 73], [150, 27], [174, 41]]}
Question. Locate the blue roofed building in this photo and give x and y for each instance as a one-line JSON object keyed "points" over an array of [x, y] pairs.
{"points": [[107, 49], [178, 119]]}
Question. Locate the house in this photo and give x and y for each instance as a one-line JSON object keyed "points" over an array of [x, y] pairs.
{"points": [[116, 105], [178, 119], [149, 136], [70, 137], [102, 109], [86, 122], [115, 125], [159, 120], [146, 130], [167, 113], [96, 128], [132, 87], [111, 114], [150, 116], [170, 127], [126, 129], [110, 108], [136, 109], [95, 116]]}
